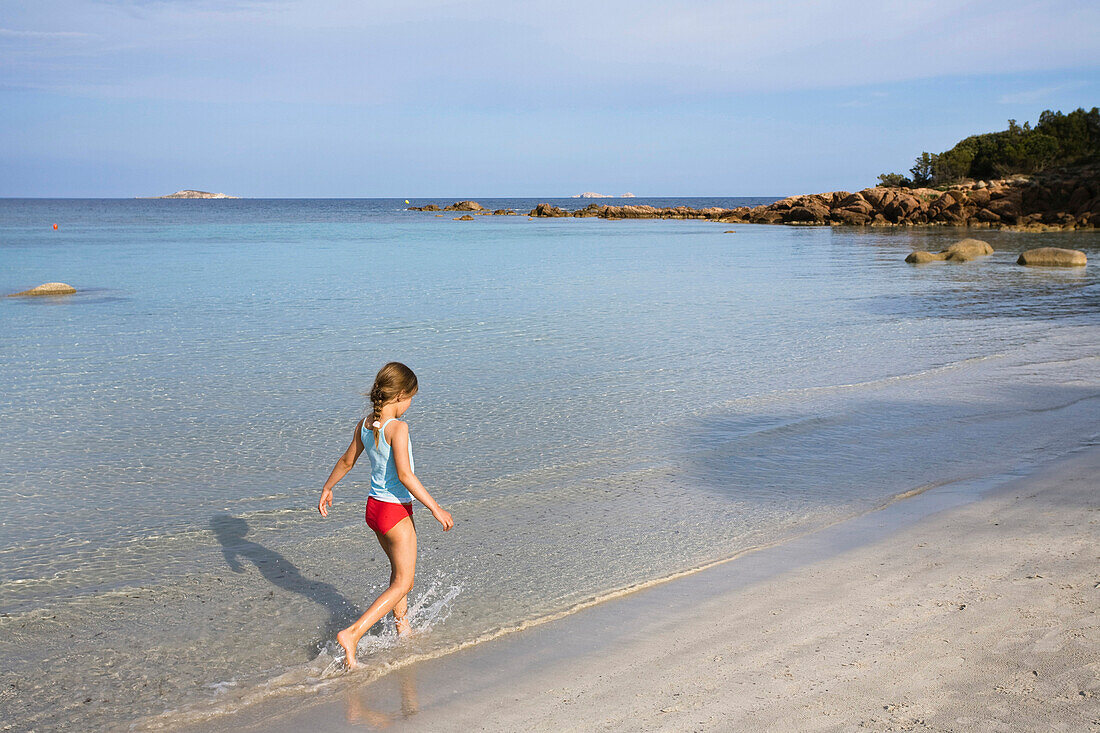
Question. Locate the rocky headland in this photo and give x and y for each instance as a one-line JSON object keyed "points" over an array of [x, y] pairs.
{"points": [[188, 193], [1059, 200], [1065, 199]]}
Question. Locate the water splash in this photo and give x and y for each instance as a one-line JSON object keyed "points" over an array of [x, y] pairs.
{"points": [[426, 611]]}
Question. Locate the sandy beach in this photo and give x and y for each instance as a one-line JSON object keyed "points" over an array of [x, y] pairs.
{"points": [[940, 612]]}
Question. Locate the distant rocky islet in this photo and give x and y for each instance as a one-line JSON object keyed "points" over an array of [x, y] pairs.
{"points": [[189, 193]]}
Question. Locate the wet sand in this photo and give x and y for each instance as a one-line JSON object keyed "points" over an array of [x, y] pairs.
{"points": [[971, 606]]}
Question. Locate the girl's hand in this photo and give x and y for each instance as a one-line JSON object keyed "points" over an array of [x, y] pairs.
{"points": [[443, 517], [325, 502]]}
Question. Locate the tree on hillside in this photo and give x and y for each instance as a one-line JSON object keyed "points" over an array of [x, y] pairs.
{"points": [[894, 180], [922, 170]]}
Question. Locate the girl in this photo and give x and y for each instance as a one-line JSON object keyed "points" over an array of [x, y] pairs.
{"points": [[392, 488]]}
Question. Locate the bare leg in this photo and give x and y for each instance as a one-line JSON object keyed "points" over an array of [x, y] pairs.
{"points": [[400, 546], [400, 609]]}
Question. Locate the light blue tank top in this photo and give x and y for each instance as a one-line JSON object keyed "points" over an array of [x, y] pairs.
{"points": [[384, 484]]}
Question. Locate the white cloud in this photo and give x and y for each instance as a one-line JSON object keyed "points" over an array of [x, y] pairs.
{"points": [[1034, 96], [444, 52], [12, 33]]}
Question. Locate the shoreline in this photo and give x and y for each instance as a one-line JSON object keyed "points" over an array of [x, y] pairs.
{"points": [[1064, 199], [590, 658]]}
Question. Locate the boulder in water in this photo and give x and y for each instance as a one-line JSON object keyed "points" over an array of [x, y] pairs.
{"points": [[464, 206], [962, 251], [1052, 257], [464, 217], [966, 250], [547, 210], [921, 257], [48, 289]]}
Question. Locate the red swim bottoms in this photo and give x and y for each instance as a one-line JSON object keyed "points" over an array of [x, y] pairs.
{"points": [[383, 515]]}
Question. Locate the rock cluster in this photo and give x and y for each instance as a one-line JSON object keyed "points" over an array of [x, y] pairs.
{"points": [[963, 251], [1067, 199], [635, 211], [971, 249], [47, 289], [464, 206]]}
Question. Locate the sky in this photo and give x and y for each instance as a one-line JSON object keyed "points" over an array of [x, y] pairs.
{"points": [[431, 98]]}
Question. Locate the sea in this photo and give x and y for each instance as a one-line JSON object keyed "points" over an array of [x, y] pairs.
{"points": [[602, 405]]}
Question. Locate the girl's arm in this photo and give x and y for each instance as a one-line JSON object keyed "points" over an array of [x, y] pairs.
{"points": [[399, 442], [343, 465]]}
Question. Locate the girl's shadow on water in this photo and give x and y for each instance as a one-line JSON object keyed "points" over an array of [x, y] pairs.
{"points": [[231, 532]]}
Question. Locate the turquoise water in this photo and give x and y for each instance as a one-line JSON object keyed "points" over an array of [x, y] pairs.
{"points": [[601, 404]]}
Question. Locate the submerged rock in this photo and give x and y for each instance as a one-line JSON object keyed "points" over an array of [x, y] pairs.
{"points": [[921, 257], [47, 289], [1052, 257], [464, 217]]}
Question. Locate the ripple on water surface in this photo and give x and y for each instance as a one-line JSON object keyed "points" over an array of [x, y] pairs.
{"points": [[601, 404]]}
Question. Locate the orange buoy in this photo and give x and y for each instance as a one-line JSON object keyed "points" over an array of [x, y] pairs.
{"points": [[55, 227]]}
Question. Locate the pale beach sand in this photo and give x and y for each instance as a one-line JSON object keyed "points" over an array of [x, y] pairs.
{"points": [[964, 608]]}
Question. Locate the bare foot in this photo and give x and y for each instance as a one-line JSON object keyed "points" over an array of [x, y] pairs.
{"points": [[346, 640], [404, 628]]}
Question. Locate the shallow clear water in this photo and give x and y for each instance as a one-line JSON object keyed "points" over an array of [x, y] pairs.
{"points": [[601, 404]]}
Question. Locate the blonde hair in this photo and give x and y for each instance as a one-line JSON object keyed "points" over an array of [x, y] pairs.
{"points": [[393, 379]]}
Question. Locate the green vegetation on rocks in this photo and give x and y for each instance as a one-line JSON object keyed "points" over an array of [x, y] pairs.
{"points": [[1056, 140]]}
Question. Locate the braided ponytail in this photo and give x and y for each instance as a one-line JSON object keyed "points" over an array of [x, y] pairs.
{"points": [[393, 379], [376, 411]]}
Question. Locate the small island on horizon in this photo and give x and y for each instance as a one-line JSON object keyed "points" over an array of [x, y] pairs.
{"points": [[189, 193], [594, 195]]}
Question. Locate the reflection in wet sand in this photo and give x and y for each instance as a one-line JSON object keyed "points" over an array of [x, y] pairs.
{"points": [[359, 711]]}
